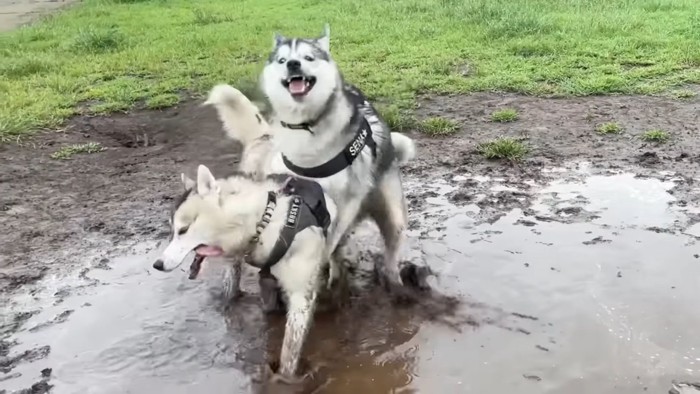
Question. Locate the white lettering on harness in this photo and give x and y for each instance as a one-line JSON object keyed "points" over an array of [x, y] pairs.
{"points": [[293, 213], [359, 143]]}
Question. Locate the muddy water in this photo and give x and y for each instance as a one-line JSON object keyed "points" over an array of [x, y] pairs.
{"points": [[590, 285]]}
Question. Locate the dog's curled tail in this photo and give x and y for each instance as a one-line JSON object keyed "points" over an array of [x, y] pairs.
{"points": [[404, 147], [241, 118]]}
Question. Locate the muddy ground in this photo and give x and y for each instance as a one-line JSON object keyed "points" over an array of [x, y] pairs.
{"points": [[590, 236], [15, 13]]}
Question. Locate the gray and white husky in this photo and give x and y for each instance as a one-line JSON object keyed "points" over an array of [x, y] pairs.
{"points": [[238, 216], [244, 123], [327, 131]]}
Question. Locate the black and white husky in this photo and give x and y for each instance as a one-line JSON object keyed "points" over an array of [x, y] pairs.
{"points": [[327, 130]]}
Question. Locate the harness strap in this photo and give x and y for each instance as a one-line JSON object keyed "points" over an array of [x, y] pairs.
{"points": [[307, 208], [344, 159], [299, 217]]}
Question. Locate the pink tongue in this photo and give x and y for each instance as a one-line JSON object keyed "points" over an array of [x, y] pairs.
{"points": [[297, 86], [209, 251]]}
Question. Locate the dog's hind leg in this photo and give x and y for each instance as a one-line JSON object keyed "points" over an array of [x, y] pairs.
{"points": [[387, 206], [347, 217], [231, 280]]}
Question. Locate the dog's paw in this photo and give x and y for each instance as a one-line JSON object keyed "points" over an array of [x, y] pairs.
{"points": [[411, 285], [231, 295], [416, 277], [275, 377]]}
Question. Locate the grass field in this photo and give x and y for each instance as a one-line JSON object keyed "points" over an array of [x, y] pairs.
{"points": [[102, 56]]}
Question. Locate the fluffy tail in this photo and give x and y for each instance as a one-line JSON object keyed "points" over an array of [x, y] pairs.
{"points": [[404, 147], [241, 118]]}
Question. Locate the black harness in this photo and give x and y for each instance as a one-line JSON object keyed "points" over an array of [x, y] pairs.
{"points": [[345, 158], [307, 209]]}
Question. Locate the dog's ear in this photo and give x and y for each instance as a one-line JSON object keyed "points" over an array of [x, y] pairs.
{"points": [[277, 40], [187, 182], [325, 40], [206, 183]]}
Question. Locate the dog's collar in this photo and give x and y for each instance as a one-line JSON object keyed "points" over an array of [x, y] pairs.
{"points": [[344, 159], [312, 123], [266, 216], [300, 126]]}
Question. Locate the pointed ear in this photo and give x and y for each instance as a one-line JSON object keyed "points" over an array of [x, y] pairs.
{"points": [[325, 40], [277, 39], [206, 183], [187, 182]]}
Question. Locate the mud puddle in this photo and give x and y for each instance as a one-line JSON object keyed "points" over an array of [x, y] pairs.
{"points": [[611, 297], [590, 285], [575, 268], [135, 332]]}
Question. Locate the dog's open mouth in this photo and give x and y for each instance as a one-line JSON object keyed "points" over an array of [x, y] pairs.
{"points": [[202, 252], [299, 85]]}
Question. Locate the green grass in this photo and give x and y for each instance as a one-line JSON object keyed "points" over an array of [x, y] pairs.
{"points": [[438, 126], [683, 94], [71, 150], [609, 128], [657, 136], [504, 115], [503, 148], [400, 120], [113, 55]]}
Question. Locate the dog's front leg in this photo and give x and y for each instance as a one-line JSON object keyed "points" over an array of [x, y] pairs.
{"points": [[231, 280], [347, 216], [299, 318]]}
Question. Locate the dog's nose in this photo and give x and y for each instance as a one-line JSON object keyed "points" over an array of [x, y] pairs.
{"points": [[159, 265], [293, 65]]}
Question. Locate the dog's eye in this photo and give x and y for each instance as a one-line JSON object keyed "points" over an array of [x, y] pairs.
{"points": [[281, 60], [183, 230], [309, 58]]}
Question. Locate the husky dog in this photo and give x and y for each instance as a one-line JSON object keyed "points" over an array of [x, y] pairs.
{"points": [[327, 131], [244, 123], [279, 224]]}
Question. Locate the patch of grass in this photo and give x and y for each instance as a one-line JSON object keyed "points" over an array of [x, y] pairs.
{"points": [[609, 128], [71, 150], [436, 126], [94, 41], [26, 67], [162, 101], [658, 136], [683, 94], [397, 119], [206, 17], [126, 52], [503, 148], [504, 115]]}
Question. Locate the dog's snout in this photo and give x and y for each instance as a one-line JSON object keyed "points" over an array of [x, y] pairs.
{"points": [[159, 265], [293, 65]]}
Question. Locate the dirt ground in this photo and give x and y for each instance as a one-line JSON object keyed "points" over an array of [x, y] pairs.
{"points": [[15, 13], [63, 218]]}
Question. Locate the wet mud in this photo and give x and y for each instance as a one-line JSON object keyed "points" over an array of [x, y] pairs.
{"points": [[575, 270]]}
